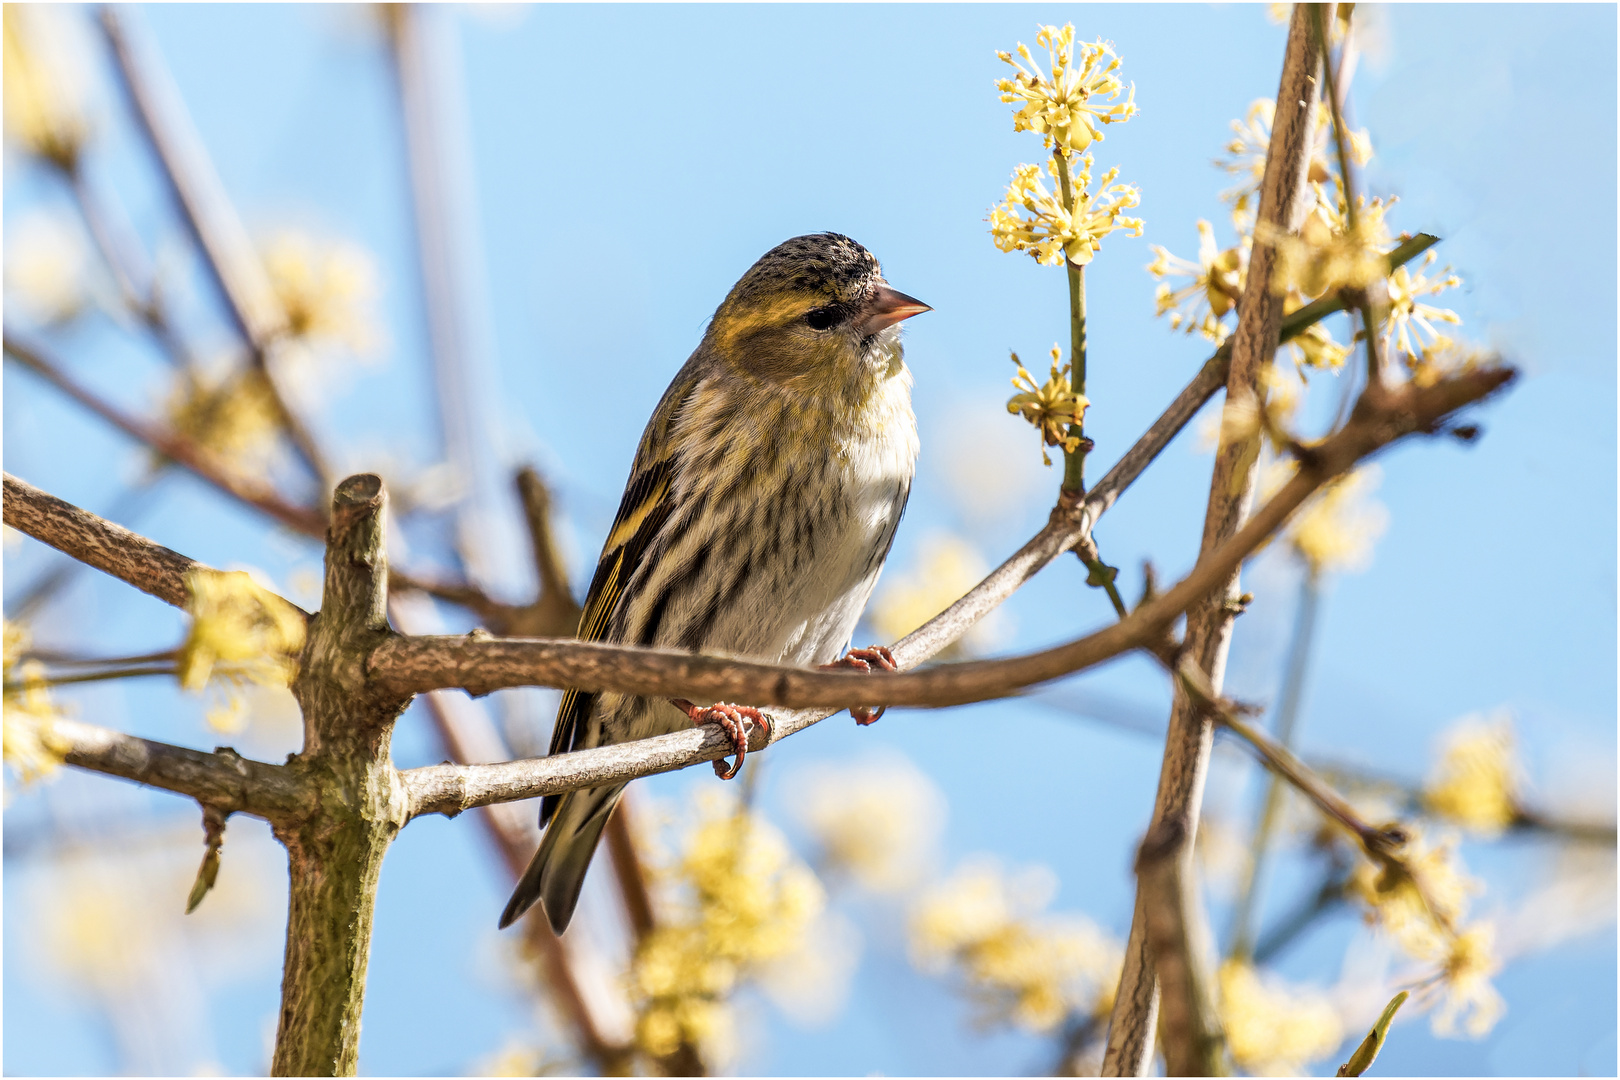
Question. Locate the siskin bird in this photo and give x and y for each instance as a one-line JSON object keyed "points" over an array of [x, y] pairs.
{"points": [[763, 499]]}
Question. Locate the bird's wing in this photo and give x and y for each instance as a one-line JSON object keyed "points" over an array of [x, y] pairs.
{"points": [[642, 512]]}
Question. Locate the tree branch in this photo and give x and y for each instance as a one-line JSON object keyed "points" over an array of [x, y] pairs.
{"points": [[483, 663], [1187, 744], [176, 447], [112, 549], [334, 858], [480, 664], [226, 248], [223, 779]]}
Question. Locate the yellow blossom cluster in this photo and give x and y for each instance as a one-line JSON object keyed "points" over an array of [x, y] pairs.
{"points": [[44, 110], [1467, 997], [1330, 253], [1031, 972], [32, 749], [946, 568], [1336, 529], [46, 266], [1214, 285], [1410, 321], [1274, 1029], [1051, 228], [1421, 902], [1474, 782], [877, 821], [326, 289], [240, 632], [1245, 156], [743, 899], [232, 416], [1051, 406], [1081, 91]]}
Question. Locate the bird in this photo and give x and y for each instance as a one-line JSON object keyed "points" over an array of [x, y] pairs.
{"points": [[759, 511]]}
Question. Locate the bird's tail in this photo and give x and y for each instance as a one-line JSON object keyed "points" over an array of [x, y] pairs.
{"points": [[557, 870]]}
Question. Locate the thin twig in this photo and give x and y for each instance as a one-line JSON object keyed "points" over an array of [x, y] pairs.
{"points": [[182, 450], [227, 251]]}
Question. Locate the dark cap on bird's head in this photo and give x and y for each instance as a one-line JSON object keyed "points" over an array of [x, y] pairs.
{"points": [[829, 264]]}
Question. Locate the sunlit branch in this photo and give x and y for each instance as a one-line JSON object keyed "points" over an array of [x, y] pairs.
{"points": [[222, 779]]}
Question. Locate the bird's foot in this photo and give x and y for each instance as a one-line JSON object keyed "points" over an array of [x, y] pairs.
{"points": [[730, 718], [865, 660]]}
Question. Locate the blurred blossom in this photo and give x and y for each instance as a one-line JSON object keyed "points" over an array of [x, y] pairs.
{"points": [[241, 632], [232, 415], [1272, 1028], [46, 76], [946, 567], [1065, 107], [47, 261], [1051, 407], [327, 290], [1421, 907], [811, 982], [110, 920], [737, 898], [1223, 855], [1245, 156], [1446, 358], [1409, 329], [984, 465], [1214, 285], [1464, 985], [1336, 529], [983, 926], [1329, 253], [878, 820], [1039, 222], [1314, 347], [519, 1058], [1474, 782], [32, 748]]}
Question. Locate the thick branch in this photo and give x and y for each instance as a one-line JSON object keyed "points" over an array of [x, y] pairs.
{"points": [[1188, 741], [223, 779], [481, 664], [112, 549], [1192, 1043], [335, 857], [487, 663]]}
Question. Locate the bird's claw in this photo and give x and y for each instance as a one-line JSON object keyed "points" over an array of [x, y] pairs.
{"points": [[864, 660], [730, 718]]}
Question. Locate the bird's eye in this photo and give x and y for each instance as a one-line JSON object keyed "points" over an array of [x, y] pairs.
{"points": [[822, 318]]}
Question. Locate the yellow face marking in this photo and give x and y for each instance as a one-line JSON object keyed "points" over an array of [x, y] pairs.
{"points": [[759, 314]]}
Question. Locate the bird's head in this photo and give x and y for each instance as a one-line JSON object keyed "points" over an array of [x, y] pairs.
{"points": [[813, 309]]}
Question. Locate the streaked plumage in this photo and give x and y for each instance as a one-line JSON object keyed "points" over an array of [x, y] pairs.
{"points": [[763, 499]]}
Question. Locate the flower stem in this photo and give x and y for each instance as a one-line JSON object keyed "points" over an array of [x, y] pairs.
{"points": [[1074, 461], [96, 676]]}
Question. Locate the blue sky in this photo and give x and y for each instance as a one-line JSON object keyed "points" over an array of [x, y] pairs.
{"points": [[629, 164]]}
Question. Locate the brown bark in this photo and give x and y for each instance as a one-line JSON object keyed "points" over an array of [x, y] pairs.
{"points": [[1209, 619]]}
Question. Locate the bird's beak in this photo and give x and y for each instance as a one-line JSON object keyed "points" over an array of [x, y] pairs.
{"points": [[886, 307]]}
